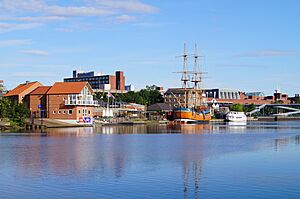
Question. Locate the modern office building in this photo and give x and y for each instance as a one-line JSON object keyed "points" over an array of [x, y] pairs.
{"points": [[99, 83]]}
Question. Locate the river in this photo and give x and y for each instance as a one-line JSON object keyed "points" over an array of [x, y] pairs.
{"points": [[257, 160]]}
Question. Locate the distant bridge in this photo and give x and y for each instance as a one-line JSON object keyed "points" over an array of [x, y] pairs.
{"points": [[293, 111]]}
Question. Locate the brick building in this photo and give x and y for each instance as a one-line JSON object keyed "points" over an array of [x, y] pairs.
{"points": [[18, 94], [99, 83], [71, 102], [174, 96]]}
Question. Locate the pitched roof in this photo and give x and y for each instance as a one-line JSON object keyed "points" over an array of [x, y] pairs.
{"points": [[21, 88], [68, 88], [159, 107], [41, 90]]}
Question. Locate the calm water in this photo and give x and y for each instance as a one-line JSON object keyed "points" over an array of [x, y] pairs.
{"points": [[260, 160]]}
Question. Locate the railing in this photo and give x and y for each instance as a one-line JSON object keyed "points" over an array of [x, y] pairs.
{"points": [[81, 103]]}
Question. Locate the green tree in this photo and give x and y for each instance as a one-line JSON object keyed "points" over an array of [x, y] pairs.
{"points": [[249, 108], [5, 105], [15, 112], [237, 107]]}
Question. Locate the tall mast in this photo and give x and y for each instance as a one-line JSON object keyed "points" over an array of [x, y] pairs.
{"points": [[200, 82], [184, 76], [196, 81]]}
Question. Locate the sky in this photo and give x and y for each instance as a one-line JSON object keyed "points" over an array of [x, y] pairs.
{"points": [[249, 45]]}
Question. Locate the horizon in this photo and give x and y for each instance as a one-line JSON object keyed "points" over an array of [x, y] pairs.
{"points": [[246, 46]]}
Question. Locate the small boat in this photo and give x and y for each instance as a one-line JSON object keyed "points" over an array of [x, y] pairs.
{"points": [[234, 116]]}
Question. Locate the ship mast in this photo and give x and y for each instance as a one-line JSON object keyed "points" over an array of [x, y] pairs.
{"points": [[196, 73], [184, 78]]}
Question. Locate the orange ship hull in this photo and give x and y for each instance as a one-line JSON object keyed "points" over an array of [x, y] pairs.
{"points": [[186, 115]]}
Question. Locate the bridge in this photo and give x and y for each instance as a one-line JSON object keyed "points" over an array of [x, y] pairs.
{"points": [[292, 108]]}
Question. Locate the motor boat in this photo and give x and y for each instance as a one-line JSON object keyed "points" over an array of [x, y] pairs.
{"points": [[234, 116]]}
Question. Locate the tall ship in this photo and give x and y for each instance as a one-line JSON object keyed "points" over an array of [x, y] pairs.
{"points": [[192, 107]]}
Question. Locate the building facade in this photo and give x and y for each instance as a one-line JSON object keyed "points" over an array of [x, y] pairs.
{"points": [[175, 97], [99, 83], [71, 102], [18, 94]]}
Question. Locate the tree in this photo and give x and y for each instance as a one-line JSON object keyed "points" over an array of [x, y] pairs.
{"points": [[237, 107], [15, 112], [5, 105], [146, 96], [249, 108]]}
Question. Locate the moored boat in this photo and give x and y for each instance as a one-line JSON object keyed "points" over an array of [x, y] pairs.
{"points": [[234, 116], [191, 116], [192, 108]]}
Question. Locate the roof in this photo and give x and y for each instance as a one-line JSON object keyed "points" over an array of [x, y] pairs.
{"points": [[41, 90], [21, 88], [68, 88], [159, 107], [261, 94]]}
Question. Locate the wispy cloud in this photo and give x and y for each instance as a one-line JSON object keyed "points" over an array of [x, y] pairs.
{"points": [[126, 5], [25, 14], [8, 27], [39, 19], [34, 74], [268, 53], [14, 42], [230, 65], [125, 19], [35, 52]]}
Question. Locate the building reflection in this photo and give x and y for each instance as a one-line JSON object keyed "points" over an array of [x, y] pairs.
{"points": [[101, 154], [281, 143]]}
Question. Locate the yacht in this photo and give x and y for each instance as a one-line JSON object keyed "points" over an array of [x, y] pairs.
{"points": [[234, 116]]}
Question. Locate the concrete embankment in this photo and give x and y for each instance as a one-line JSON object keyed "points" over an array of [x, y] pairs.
{"points": [[274, 118]]}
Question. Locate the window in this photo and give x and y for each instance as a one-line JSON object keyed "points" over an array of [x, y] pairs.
{"points": [[78, 111], [89, 112], [59, 112], [64, 112], [54, 112], [70, 112]]}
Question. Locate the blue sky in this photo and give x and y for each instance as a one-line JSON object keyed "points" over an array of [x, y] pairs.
{"points": [[250, 45]]}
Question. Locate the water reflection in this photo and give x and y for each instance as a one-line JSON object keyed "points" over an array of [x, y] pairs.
{"points": [[170, 162], [281, 143]]}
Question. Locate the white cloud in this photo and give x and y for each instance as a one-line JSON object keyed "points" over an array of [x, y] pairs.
{"points": [[35, 52], [126, 5], [269, 53], [92, 8], [8, 27], [34, 74], [14, 42], [125, 18], [25, 14], [34, 19]]}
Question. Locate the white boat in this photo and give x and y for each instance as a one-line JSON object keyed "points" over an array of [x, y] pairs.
{"points": [[234, 116]]}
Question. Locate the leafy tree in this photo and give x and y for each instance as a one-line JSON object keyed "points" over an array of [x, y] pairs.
{"points": [[4, 108], [249, 108], [15, 112], [146, 96], [237, 107]]}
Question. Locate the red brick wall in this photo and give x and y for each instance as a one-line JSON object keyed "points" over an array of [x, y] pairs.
{"points": [[120, 80], [58, 110], [112, 81]]}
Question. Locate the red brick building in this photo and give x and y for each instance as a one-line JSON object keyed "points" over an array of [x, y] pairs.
{"points": [[71, 102], [18, 94]]}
